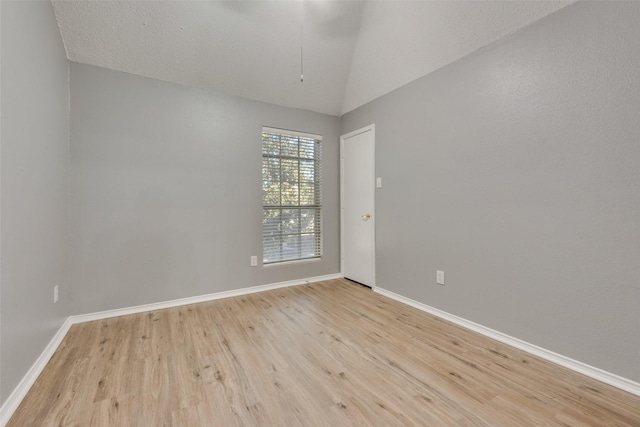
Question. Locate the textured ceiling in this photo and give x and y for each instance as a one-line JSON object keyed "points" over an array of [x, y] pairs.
{"points": [[354, 51], [400, 41]]}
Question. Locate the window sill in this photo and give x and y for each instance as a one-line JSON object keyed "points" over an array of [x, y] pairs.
{"points": [[294, 262]]}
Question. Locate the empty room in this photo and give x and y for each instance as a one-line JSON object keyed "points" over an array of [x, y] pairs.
{"points": [[319, 213]]}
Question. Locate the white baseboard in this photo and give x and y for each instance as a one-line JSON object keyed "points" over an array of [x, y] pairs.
{"points": [[588, 370], [193, 300], [14, 399]]}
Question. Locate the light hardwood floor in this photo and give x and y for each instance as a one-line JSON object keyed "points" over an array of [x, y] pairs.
{"points": [[326, 354]]}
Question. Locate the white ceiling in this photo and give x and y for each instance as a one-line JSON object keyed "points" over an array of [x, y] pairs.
{"points": [[354, 51]]}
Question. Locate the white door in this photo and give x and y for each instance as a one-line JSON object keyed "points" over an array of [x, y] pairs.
{"points": [[357, 200]]}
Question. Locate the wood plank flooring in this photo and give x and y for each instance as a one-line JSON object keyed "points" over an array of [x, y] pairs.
{"points": [[326, 354]]}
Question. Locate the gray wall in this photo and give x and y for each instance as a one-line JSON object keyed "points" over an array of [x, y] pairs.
{"points": [[166, 190], [516, 170], [34, 190]]}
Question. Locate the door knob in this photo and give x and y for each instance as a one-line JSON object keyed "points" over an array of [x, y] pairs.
{"points": [[366, 217]]}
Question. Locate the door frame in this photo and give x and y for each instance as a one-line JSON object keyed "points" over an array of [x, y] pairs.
{"points": [[371, 128]]}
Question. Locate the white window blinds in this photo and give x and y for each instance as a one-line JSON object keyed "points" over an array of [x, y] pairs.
{"points": [[291, 200]]}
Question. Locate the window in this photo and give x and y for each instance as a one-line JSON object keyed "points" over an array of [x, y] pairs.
{"points": [[291, 204]]}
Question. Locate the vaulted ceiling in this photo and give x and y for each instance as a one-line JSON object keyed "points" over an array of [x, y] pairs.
{"points": [[352, 51]]}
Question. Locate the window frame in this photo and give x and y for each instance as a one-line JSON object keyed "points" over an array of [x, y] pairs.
{"points": [[275, 235]]}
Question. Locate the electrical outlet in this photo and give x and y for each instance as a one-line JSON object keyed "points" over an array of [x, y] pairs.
{"points": [[55, 294], [254, 261], [440, 277]]}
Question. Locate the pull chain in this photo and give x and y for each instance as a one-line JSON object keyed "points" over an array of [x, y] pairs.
{"points": [[301, 51]]}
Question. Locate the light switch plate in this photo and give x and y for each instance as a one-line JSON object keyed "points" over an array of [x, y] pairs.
{"points": [[378, 182], [440, 277]]}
